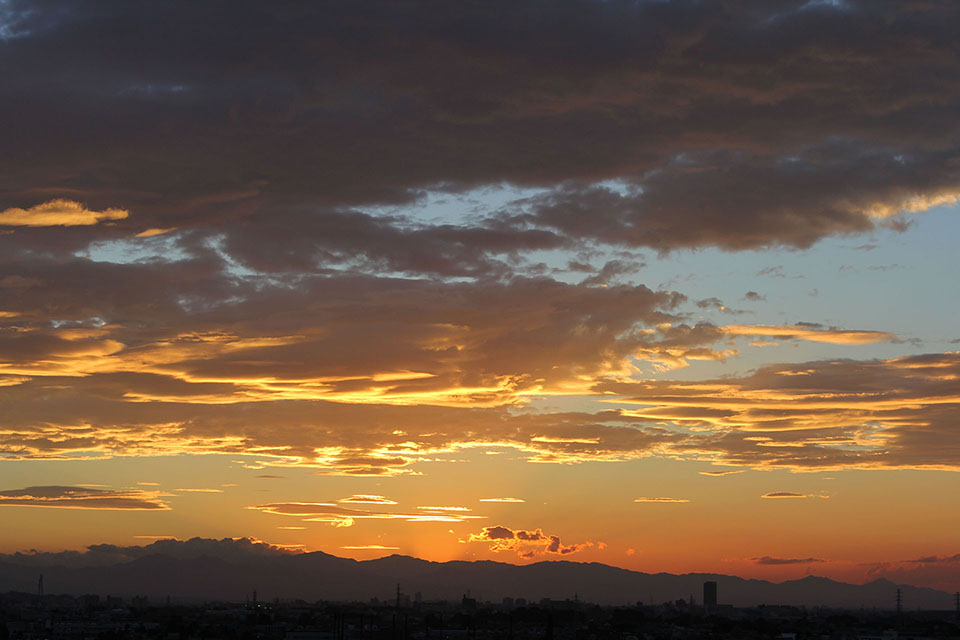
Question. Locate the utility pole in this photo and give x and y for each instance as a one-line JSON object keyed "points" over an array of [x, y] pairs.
{"points": [[899, 607], [40, 586]]}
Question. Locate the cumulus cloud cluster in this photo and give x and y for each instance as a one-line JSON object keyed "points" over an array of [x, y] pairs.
{"points": [[110, 554], [526, 544]]}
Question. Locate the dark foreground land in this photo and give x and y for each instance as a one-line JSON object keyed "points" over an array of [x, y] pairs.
{"points": [[24, 616]]}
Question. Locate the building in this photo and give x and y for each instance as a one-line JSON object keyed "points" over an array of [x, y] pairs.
{"points": [[709, 594]]}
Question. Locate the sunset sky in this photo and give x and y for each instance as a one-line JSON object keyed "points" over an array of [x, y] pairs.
{"points": [[662, 284]]}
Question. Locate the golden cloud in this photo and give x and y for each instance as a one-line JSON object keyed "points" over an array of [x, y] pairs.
{"points": [[61, 497], [788, 495], [526, 544], [894, 413], [149, 233], [722, 473], [369, 547], [367, 499], [812, 333], [58, 213], [338, 516]]}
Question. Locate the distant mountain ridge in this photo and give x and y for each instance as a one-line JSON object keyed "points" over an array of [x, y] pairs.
{"points": [[232, 569]]}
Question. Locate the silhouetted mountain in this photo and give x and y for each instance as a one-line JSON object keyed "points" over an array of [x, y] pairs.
{"points": [[231, 570]]}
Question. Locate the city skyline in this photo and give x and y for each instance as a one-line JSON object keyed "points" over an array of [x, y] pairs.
{"points": [[664, 285]]}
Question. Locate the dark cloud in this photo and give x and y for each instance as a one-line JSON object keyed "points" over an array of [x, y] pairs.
{"points": [[736, 125], [768, 560], [610, 271], [81, 498], [717, 304], [938, 572], [954, 559], [109, 554], [753, 296]]}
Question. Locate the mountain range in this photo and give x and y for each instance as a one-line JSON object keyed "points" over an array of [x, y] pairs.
{"points": [[231, 569]]}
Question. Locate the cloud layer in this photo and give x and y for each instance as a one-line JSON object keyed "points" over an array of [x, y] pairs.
{"points": [[81, 498], [331, 236], [687, 124]]}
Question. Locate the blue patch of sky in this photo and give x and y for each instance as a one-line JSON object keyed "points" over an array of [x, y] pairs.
{"points": [[11, 21], [131, 250], [899, 282], [470, 207]]}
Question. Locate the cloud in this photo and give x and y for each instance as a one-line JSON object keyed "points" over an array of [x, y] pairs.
{"points": [[369, 547], [753, 296], [526, 544], [610, 271], [436, 346], [661, 500], [673, 346], [58, 213], [936, 571], [82, 498], [722, 473], [814, 334], [338, 516], [768, 560], [954, 559], [307, 309], [201, 490], [366, 499], [866, 414], [700, 157], [717, 304], [502, 500], [787, 494], [150, 233], [109, 554]]}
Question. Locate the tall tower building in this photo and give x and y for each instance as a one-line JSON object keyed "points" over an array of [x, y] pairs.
{"points": [[709, 594]]}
